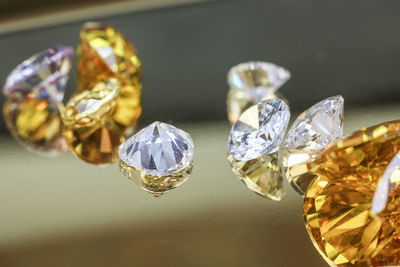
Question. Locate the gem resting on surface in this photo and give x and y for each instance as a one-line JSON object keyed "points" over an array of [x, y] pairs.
{"points": [[35, 89], [104, 53], [311, 133], [89, 129], [253, 147], [252, 82], [158, 158], [351, 207], [259, 130]]}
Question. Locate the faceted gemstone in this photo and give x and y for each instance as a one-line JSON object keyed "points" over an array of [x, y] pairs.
{"points": [[251, 83], [238, 101], [310, 134], [104, 53], [255, 74], [259, 130], [338, 207], [261, 175], [36, 124], [158, 158], [89, 129], [42, 76]]}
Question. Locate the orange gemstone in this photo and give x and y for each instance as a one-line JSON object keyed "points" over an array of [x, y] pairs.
{"points": [[104, 53], [36, 123], [337, 207], [89, 129]]}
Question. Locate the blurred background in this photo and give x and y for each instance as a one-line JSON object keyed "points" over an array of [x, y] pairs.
{"points": [[63, 212]]}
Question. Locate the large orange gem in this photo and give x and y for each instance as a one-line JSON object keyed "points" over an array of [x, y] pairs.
{"points": [[338, 203], [104, 53]]}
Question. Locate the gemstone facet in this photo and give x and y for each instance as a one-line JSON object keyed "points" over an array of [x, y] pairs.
{"points": [[259, 130], [157, 158], [104, 53], [251, 83], [261, 175], [338, 206], [311, 133], [42, 76], [89, 129]]}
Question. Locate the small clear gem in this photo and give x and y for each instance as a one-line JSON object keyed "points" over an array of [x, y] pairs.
{"points": [[42, 76], [256, 74], [311, 133], [318, 126], [159, 149], [259, 130]]}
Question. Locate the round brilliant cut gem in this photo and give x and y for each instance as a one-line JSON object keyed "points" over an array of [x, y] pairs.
{"points": [[259, 130], [159, 149], [351, 208]]}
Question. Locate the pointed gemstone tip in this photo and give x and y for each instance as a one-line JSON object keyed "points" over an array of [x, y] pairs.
{"points": [[255, 74], [259, 130], [159, 149], [42, 76]]}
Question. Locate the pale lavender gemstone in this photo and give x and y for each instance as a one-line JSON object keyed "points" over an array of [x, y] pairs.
{"points": [[44, 75]]}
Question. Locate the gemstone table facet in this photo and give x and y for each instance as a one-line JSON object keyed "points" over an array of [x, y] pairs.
{"points": [[158, 158], [89, 129], [104, 53], [338, 206], [311, 133], [251, 83]]}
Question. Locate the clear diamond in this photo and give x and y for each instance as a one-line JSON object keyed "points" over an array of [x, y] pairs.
{"points": [[318, 126], [259, 130], [256, 74], [42, 76], [159, 149]]}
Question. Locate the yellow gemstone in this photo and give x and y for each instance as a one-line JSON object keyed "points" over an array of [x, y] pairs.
{"points": [[337, 207], [261, 175], [36, 123], [104, 53], [238, 101], [89, 129], [156, 185]]}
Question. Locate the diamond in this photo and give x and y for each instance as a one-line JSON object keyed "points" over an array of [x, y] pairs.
{"points": [[158, 158], [339, 203], [42, 76], [259, 130], [312, 132], [104, 53], [251, 83], [255, 74], [90, 132], [261, 175]]}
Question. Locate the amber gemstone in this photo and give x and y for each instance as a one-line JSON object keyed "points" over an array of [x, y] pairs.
{"points": [[89, 129], [104, 53], [338, 203], [35, 123]]}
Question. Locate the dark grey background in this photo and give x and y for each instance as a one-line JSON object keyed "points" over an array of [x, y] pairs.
{"points": [[331, 47]]}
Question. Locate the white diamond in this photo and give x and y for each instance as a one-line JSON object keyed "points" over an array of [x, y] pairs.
{"points": [[258, 76], [317, 127], [159, 149], [259, 130]]}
